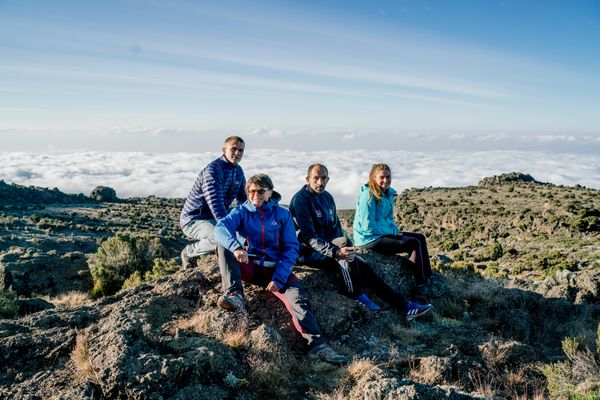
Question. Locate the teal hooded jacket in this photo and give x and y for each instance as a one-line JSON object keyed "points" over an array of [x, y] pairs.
{"points": [[373, 219]]}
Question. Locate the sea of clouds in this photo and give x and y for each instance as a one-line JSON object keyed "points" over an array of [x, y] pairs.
{"points": [[134, 174]]}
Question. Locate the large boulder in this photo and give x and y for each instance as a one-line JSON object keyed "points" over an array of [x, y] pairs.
{"points": [[104, 193]]}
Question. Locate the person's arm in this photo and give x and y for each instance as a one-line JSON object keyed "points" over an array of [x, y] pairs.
{"points": [[389, 217], [241, 195], [365, 217], [302, 211], [212, 187], [225, 230], [289, 249]]}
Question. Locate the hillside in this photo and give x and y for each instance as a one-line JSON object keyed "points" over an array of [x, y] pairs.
{"points": [[519, 320]]}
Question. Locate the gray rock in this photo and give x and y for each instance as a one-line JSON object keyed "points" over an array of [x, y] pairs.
{"points": [[104, 193]]}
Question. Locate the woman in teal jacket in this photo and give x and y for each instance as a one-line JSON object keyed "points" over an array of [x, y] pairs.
{"points": [[266, 259], [375, 229]]}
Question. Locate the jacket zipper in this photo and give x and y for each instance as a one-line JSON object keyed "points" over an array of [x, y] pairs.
{"points": [[262, 224]]}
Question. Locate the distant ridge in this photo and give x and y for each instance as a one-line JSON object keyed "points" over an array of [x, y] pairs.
{"points": [[13, 193]]}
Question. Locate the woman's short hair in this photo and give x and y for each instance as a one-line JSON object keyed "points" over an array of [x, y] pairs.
{"points": [[261, 180]]}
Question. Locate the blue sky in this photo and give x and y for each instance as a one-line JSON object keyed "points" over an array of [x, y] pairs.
{"points": [[178, 75]]}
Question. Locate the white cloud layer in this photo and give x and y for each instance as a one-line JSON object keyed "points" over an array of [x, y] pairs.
{"points": [[134, 174]]}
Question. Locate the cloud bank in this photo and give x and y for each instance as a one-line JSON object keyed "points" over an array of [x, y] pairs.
{"points": [[134, 174]]}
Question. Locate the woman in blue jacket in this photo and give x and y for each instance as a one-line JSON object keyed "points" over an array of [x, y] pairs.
{"points": [[267, 261], [375, 229]]}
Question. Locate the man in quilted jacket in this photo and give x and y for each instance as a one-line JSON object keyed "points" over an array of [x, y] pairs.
{"points": [[216, 187]]}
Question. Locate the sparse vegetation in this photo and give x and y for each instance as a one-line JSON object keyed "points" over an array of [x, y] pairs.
{"points": [[122, 259], [578, 376], [511, 255], [9, 306]]}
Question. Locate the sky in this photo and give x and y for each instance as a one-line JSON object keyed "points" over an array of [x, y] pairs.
{"points": [[139, 95], [174, 76]]}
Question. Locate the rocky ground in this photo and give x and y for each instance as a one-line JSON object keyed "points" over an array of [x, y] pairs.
{"points": [[520, 259]]}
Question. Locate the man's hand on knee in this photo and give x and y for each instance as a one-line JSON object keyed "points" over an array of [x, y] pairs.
{"points": [[241, 255], [345, 253]]}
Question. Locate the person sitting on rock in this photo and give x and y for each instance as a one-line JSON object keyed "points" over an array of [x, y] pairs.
{"points": [[324, 244], [267, 261], [216, 187], [375, 229]]}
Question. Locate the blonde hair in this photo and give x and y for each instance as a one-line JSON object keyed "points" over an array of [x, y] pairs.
{"points": [[234, 140], [375, 189]]}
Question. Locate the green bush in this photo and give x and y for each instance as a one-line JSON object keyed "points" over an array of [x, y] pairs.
{"points": [[118, 258], [161, 267], [578, 376], [134, 280], [9, 307]]}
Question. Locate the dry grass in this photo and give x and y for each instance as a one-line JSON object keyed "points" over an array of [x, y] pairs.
{"points": [[359, 368], [236, 338], [81, 355], [83, 361], [494, 354], [337, 394], [515, 380], [71, 299]]}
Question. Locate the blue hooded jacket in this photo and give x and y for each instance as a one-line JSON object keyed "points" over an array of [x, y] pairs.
{"points": [[269, 231], [373, 219]]}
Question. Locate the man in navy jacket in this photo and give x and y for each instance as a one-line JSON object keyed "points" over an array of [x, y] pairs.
{"points": [[216, 187]]}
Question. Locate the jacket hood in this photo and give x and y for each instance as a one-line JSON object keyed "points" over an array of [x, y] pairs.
{"points": [[272, 203]]}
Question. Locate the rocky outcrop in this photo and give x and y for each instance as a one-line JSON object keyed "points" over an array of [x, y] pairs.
{"points": [[25, 195], [580, 287], [168, 339], [104, 193], [511, 177]]}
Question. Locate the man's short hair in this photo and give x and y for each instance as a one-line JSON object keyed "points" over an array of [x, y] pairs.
{"points": [[313, 166], [261, 180], [234, 139]]}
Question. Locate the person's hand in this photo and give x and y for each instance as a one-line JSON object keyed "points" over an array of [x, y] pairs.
{"points": [[272, 287], [241, 255], [346, 253]]}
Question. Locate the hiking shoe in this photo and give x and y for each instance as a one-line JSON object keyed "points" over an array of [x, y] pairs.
{"points": [[414, 310], [187, 261], [324, 352], [368, 303], [232, 302]]}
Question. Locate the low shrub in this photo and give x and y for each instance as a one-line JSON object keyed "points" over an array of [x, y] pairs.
{"points": [[118, 258], [578, 376], [9, 306]]}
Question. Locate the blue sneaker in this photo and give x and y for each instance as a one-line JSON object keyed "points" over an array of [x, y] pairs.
{"points": [[414, 310], [366, 301]]}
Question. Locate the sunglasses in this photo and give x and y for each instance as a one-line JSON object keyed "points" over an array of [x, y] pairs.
{"points": [[259, 191]]}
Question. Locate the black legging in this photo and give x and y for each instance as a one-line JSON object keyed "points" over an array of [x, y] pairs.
{"points": [[363, 275], [407, 242]]}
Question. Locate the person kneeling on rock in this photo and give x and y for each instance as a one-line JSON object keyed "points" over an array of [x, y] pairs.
{"points": [[267, 261]]}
